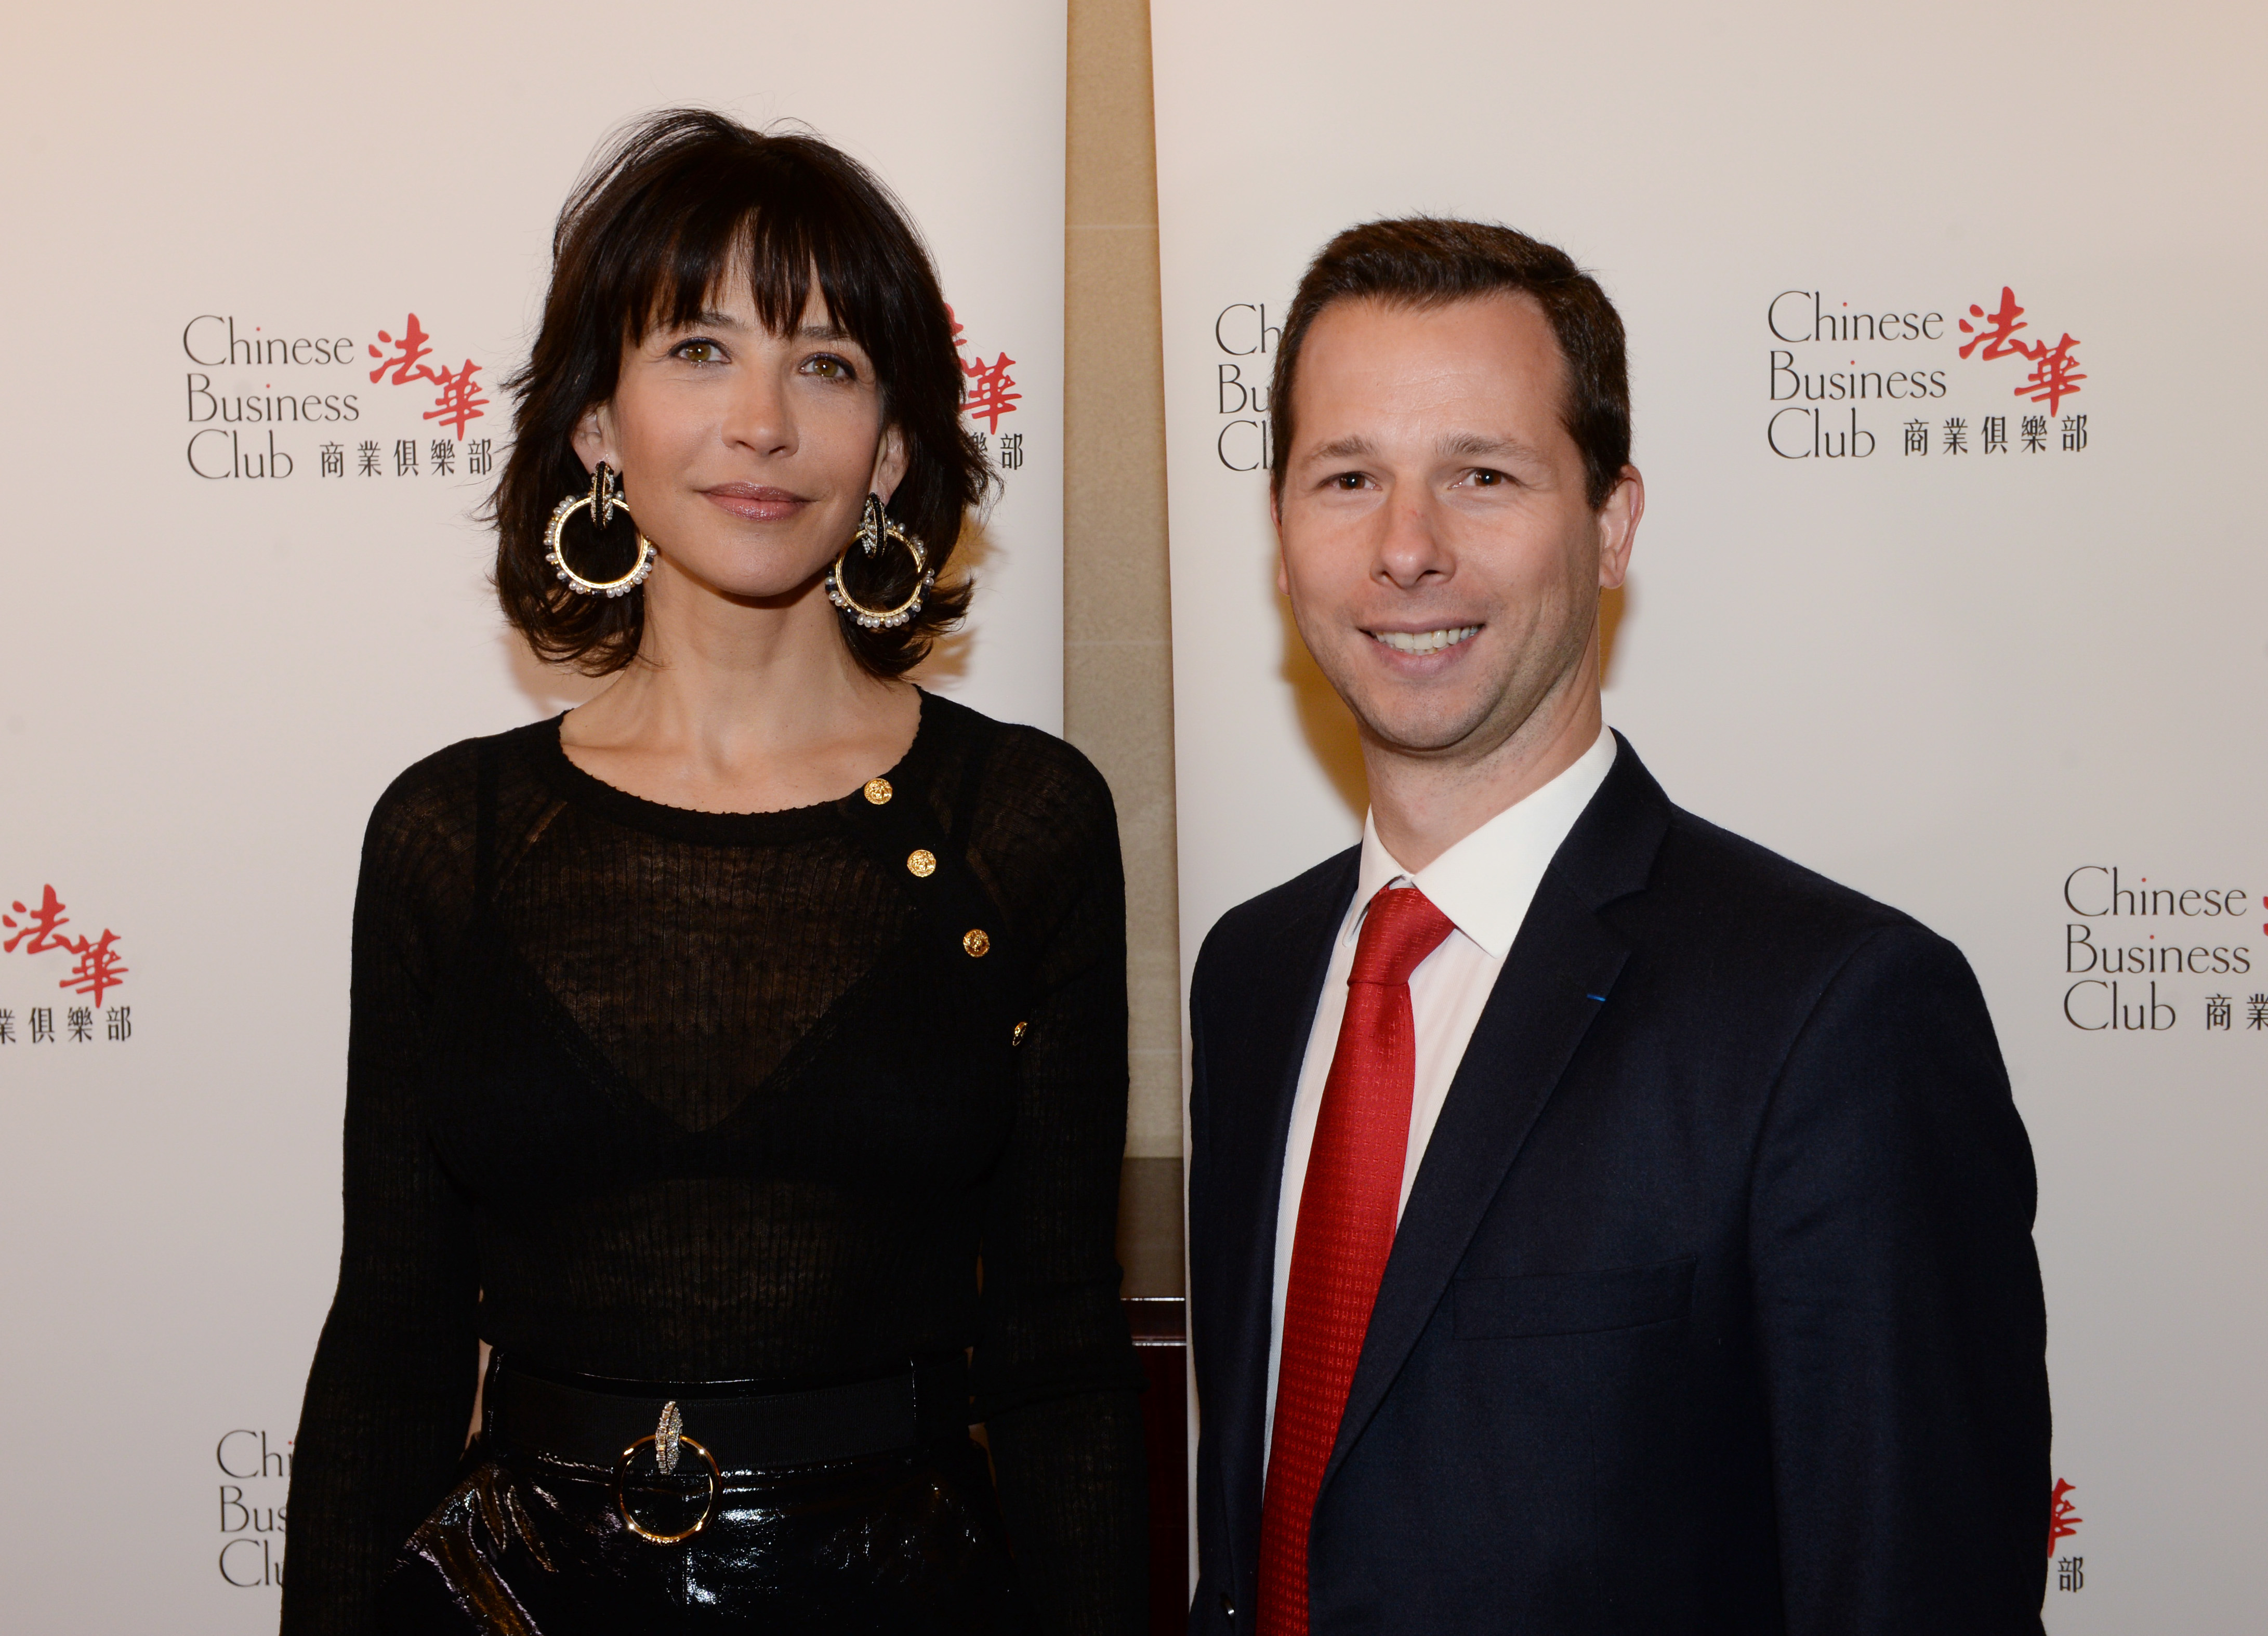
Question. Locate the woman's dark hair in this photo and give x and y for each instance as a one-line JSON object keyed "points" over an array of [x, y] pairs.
{"points": [[649, 234], [1428, 261]]}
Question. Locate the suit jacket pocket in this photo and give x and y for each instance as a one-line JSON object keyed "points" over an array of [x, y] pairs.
{"points": [[1574, 1303]]}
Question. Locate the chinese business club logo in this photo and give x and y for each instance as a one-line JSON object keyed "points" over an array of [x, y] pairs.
{"points": [[1822, 404], [460, 402], [2130, 940], [252, 427], [96, 971], [258, 1467], [2055, 371], [2064, 1522], [989, 395]]}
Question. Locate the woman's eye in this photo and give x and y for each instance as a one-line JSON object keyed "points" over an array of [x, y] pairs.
{"points": [[826, 366], [699, 351]]}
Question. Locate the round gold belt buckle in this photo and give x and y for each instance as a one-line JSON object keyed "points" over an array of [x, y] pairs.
{"points": [[708, 1507]]}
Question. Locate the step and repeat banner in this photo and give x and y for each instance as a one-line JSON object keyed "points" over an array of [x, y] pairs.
{"points": [[267, 265], [1951, 583]]}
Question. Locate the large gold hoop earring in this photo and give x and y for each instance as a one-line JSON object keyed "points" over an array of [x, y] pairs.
{"points": [[875, 529], [603, 501]]}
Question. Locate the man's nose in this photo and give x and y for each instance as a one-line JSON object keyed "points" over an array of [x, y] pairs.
{"points": [[1411, 547]]}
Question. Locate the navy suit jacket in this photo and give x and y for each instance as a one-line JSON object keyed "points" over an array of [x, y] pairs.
{"points": [[1714, 1305]]}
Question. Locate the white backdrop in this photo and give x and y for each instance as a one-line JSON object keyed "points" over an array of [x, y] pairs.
{"points": [[209, 675], [1958, 678]]}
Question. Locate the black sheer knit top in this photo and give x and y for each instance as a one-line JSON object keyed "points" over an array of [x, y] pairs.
{"points": [[658, 1094]]}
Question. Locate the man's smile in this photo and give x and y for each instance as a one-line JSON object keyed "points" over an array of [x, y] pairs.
{"points": [[1425, 641]]}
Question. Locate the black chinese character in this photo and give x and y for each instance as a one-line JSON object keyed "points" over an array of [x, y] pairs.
{"points": [[43, 1024], [335, 459], [2074, 432], [405, 457], [366, 456], [1011, 451], [444, 457], [2035, 428], [2070, 1572], [80, 1020], [2216, 1010], [1916, 437], [1956, 436], [478, 462], [119, 1022], [2256, 1011], [1996, 434], [7, 1028]]}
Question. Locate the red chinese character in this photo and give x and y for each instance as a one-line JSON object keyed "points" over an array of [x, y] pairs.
{"points": [[98, 971], [406, 367], [2055, 372], [1995, 340], [2063, 1521], [989, 398], [41, 929], [460, 403]]}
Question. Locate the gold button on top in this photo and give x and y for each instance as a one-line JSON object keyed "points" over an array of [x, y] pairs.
{"points": [[976, 943], [922, 861], [1018, 1037], [878, 791]]}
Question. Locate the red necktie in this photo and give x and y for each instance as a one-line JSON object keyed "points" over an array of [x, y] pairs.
{"points": [[1347, 1209]]}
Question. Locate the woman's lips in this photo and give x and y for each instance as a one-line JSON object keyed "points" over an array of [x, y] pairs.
{"points": [[756, 504]]}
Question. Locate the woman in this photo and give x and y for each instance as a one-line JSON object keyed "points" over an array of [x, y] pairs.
{"points": [[742, 1053]]}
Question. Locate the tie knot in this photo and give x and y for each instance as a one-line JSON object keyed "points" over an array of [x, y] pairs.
{"points": [[1400, 929]]}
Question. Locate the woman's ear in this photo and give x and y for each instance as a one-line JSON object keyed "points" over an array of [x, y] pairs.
{"points": [[594, 438], [890, 462]]}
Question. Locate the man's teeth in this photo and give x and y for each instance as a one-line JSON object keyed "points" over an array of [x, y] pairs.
{"points": [[1424, 641]]}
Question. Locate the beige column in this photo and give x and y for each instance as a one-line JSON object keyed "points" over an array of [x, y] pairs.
{"points": [[1118, 702]]}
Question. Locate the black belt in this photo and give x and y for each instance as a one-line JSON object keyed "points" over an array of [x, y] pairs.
{"points": [[583, 1420]]}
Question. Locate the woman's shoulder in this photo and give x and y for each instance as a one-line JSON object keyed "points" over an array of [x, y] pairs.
{"points": [[447, 782], [1011, 767], [1037, 815], [432, 806]]}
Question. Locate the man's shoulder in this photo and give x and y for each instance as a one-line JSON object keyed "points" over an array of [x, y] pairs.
{"points": [[1750, 906], [1257, 928]]}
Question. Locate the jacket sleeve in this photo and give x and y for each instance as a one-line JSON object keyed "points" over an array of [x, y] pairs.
{"points": [[389, 1398], [1898, 1297]]}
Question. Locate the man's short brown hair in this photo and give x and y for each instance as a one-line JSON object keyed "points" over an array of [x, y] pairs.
{"points": [[1427, 260]]}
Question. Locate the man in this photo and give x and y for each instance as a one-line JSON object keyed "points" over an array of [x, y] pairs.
{"points": [[1597, 1223]]}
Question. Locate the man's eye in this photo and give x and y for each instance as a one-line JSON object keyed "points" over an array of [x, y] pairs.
{"points": [[1347, 480], [1485, 479], [698, 351]]}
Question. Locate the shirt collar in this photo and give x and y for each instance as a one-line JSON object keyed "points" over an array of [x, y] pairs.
{"points": [[1487, 880]]}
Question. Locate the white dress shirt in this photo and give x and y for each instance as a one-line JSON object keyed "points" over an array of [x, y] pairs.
{"points": [[1483, 884]]}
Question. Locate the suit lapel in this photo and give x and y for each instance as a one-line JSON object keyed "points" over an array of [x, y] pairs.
{"points": [[1252, 1121], [1535, 1016], [1556, 979]]}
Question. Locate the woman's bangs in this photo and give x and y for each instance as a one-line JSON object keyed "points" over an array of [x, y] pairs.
{"points": [[782, 244]]}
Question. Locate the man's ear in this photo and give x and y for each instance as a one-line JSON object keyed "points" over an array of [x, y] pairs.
{"points": [[1276, 521], [1617, 522], [594, 438]]}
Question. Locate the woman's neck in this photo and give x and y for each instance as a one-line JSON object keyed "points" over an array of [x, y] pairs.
{"points": [[733, 707]]}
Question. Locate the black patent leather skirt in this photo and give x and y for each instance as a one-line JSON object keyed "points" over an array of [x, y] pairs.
{"points": [[901, 1542]]}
